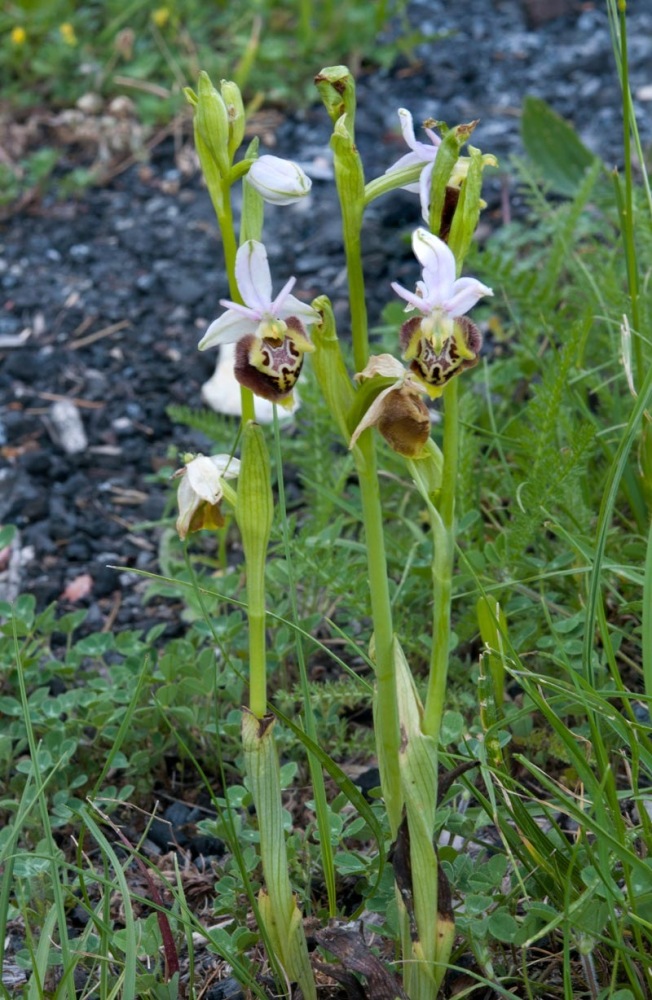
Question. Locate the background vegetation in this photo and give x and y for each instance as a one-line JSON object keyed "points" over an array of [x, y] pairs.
{"points": [[547, 837]]}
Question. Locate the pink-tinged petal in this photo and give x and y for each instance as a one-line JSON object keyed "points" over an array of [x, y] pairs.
{"points": [[415, 301], [408, 160], [372, 415], [438, 262], [303, 312], [407, 127], [425, 184], [276, 307], [465, 293], [204, 478], [434, 138], [253, 276], [227, 329]]}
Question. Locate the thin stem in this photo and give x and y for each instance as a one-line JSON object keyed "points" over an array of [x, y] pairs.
{"points": [[230, 249], [386, 722], [442, 567]]}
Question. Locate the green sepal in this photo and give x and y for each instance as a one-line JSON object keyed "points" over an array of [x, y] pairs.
{"points": [[210, 171], [336, 88], [191, 96], [467, 211], [367, 392], [235, 113], [330, 369], [213, 123], [447, 156]]}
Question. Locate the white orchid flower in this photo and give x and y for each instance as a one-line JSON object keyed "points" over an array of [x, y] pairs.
{"points": [[420, 152], [260, 315], [280, 182], [200, 490], [439, 296]]}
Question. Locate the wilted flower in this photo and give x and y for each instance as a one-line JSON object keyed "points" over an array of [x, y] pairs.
{"points": [[270, 333], [398, 411], [201, 489], [442, 342], [421, 152], [280, 182]]}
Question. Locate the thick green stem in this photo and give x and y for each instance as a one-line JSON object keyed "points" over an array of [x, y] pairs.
{"points": [[442, 567], [386, 714], [386, 710]]}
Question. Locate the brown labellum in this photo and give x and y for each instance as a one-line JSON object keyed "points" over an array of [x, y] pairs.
{"points": [[405, 421]]}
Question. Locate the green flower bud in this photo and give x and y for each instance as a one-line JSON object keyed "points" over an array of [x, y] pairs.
{"points": [[330, 369], [213, 123], [236, 114], [255, 504], [336, 88]]}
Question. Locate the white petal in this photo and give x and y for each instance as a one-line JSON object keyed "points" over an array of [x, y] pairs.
{"points": [[226, 329], [438, 264], [407, 127], [188, 503], [372, 415], [204, 478], [253, 276], [408, 160], [279, 181], [414, 301], [382, 364], [227, 466], [295, 307], [425, 184], [465, 293]]}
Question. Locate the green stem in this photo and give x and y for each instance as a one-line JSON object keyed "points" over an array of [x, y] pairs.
{"points": [[628, 210], [386, 715], [230, 249], [442, 567]]}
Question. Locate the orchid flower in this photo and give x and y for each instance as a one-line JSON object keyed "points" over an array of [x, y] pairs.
{"points": [[201, 489], [280, 182], [398, 411], [270, 333], [442, 342], [421, 152]]}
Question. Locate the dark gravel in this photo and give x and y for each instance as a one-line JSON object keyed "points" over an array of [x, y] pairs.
{"points": [[139, 259]]}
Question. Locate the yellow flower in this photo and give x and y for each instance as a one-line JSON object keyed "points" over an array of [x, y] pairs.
{"points": [[160, 16], [67, 32], [18, 35]]}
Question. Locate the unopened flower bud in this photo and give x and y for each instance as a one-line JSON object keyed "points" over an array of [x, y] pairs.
{"points": [[213, 123], [280, 182], [236, 114], [255, 504], [336, 88]]}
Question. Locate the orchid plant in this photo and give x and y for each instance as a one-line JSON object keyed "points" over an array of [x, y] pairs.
{"points": [[272, 335]]}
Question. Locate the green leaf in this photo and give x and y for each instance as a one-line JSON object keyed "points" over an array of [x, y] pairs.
{"points": [[554, 146], [503, 926]]}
